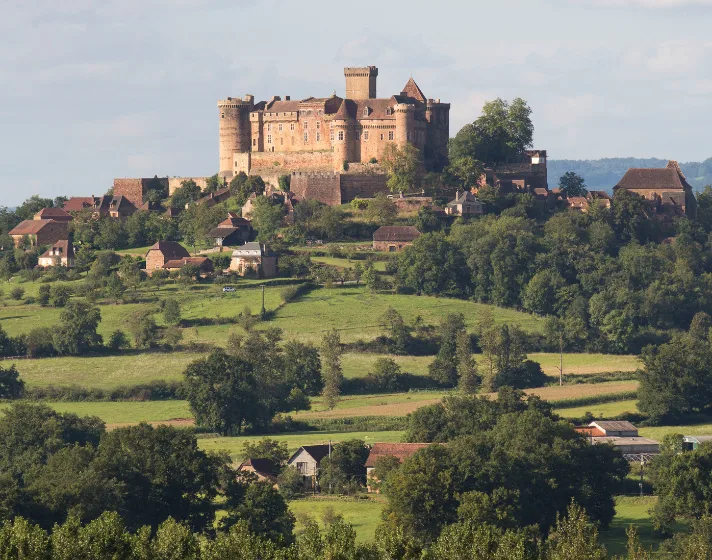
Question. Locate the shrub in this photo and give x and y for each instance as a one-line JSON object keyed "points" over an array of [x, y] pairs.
{"points": [[290, 483], [359, 204], [61, 295], [39, 343], [11, 386], [17, 292], [289, 293], [118, 340], [373, 160], [44, 294]]}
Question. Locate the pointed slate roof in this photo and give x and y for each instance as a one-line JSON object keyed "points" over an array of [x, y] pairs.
{"points": [[412, 90], [342, 113]]}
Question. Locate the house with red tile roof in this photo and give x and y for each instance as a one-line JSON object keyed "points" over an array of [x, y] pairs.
{"points": [[400, 451], [38, 232], [56, 214]]}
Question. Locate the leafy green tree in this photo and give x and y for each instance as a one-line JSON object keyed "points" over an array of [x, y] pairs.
{"points": [[60, 295], [541, 294], [468, 380], [171, 311], [397, 331], [675, 379], [403, 166], [384, 375], [302, 367], [43, 295], [465, 171], [21, 539], [31, 206], [574, 537], [17, 293], [77, 331], [175, 541], [433, 266], [283, 182], [115, 287], [444, 369], [331, 371], [427, 220], [11, 386], [212, 184], [267, 448], [381, 210], [188, 192], [572, 184], [500, 134], [118, 340], [266, 218], [344, 469], [222, 392]]}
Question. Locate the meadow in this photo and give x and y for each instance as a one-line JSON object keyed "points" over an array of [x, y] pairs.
{"points": [[600, 410], [363, 514]]}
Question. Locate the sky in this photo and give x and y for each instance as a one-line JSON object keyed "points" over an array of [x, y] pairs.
{"points": [[92, 90]]}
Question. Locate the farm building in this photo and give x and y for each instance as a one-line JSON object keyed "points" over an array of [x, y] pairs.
{"points": [[690, 443], [162, 252], [400, 451], [630, 445], [264, 469], [38, 232], [204, 264], [307, 460], [394, 238]]}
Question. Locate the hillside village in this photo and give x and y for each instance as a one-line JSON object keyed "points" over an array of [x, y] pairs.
{"points": [[367, 316]]}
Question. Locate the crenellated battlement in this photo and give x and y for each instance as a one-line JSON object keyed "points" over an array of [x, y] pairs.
{"points": [[247, 101]]}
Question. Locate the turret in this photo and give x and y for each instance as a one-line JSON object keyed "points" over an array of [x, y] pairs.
{"points": [[438, 116], [234, 129], [361, 82], [405, 123]]}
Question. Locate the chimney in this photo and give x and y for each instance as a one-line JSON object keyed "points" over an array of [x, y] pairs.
{"points": [[287, 97]]}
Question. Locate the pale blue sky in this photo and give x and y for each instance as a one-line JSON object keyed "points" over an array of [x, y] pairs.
{"points": [[92, 90]]}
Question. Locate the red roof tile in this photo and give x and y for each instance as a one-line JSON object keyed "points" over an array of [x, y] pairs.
{"points": [[399, 450], [30, 227]]}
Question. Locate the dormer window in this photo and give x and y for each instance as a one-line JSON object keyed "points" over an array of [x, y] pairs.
{"points": [[388, 110], [365, 111]]}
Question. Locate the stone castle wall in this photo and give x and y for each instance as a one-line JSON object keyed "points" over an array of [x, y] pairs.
{"points": [[361, 186], [175, 182], [324, 187], [132, 189]]}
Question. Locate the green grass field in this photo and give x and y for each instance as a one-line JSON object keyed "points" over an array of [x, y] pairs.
{"points": [[125, 412], [659, 432], [379, 266], [233, 445], [363, 514], [603, 410]]}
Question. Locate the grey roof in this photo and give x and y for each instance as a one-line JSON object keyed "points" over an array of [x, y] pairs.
{"points": [[614, 425], [317, 452], [698, 439], [466, 196], [624, 440]]}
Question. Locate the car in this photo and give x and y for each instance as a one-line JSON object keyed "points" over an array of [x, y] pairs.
{"points": [[228, 289]]}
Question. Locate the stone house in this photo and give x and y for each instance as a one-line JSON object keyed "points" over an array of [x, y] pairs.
{"points": [[465, 204], [162, 252], [666, 189], [307, 460], [118, 206], [263, 469], [256, 258], [121, 207], [56, 214], [525, 175], [232, 231], [401, 451], [394, 238], [204, 264], [61, 252], [39, 232]]}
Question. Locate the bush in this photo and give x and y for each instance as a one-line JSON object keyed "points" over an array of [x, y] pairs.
{"points": [[61, 295], [11, 386], [359, 204], [44, 295], [118, 340], [290, 293], [39, 343], [154, 391], [290, 483], [17, 292]]}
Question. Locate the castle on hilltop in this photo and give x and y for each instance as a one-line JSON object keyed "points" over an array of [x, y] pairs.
{"points": [[330, 134]]}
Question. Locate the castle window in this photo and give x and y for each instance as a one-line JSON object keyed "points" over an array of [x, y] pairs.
{"points": [[306, 137], [281, 141], [318, 125], [291, 126], [341, 134], [358, 135], [318, 136], [306, 124], [388, 110], [222, 116], [269, 138], [254, 142], [279, 126], [390, 135], [331, 136], [365, 111], [381, 135], [269, 127], [365, 134]]}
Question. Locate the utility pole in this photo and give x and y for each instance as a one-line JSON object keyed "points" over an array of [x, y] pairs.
{"points": [[330, 468], [561, 358], [262, 313]]}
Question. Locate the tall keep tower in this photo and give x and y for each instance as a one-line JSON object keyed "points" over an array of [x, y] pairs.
{"points": [[361, 82], [235, 129]]}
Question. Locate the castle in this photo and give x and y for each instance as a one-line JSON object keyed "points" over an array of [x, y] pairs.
{"points": [[323, 137]]}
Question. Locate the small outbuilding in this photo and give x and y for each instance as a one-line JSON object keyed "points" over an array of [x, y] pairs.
{"points": [[263, 469], [401, 451], [394, 238], [204, 264], [690, 443], [162, 252]]}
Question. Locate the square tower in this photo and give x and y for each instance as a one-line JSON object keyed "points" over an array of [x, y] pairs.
{"points": [[361, 82]]}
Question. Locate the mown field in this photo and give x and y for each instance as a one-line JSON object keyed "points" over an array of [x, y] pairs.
{"points": [[363, 514], [601, 410]]}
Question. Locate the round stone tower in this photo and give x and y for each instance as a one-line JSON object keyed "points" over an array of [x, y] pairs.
{"points": [[235, 129], [341, 142], [405, 123]]}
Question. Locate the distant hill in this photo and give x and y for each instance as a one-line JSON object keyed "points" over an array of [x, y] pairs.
{"points": [[603, 174]]}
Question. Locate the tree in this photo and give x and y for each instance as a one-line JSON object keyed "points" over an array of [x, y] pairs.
{"points": [[115, 287], [444, 369], [212, 184], [468, 380], [283, 182], [266, 218], [302, 367], [466, 171], [144, 329], [385, 375], [397, 331], [11, 386], [76, 334], [17, 293], [331, 371], [541, 294], [118, 340], [21, 539], [499, 135], [345, 466], [403, 167], [381, 210], [675, 379], [572, 184], [574, 537], [31, 206], [60, 295], [188, 191], [222, 392], [171, 311], [267, 448], [43, 294]]}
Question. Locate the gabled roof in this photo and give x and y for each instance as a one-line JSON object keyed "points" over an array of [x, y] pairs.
{"points": [[222, 231], [461, 198], [264, 467], [30, 227], [316, 452], [65, 248], [399, 450], [396, 233], [170, 249], [234, 221], [411, 89], [120, 202], [150, 206], [56, 214], [662, 179], [614, 425], [282, 106], [79, 203]]}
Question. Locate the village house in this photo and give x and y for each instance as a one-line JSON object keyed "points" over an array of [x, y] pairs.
{"points": [[105, 205], [666, 189], [465, 204], [204, 264], [263, 469], [254, 258], [56, 214], [215, 197], [232, 231], [525, 175], [38, 232], [307, 460], [400, 451], [61, 252], [394, 238], [583, 203], [162, 252]]}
